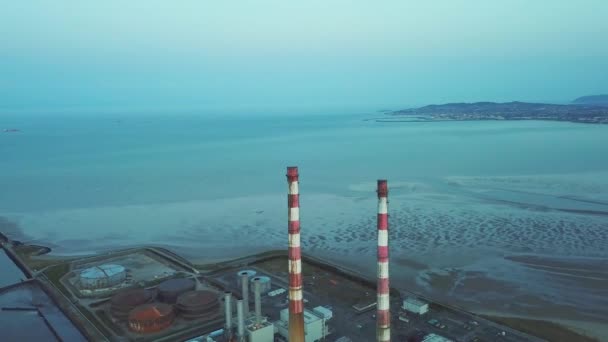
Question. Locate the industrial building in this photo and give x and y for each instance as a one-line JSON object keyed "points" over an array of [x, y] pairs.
{"points": [[364, 306], [276, 292], [315, 323], [415, 305], [435, 338], [260, 332], [101, 277]]}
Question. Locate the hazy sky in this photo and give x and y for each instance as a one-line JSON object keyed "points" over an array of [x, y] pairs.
{"points": [[61, 54]]}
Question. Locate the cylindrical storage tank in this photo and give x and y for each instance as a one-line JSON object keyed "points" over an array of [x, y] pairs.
{"points": [[169, 290], [103, 276], [124, 301], [250, 274], [198, 305], [265, 283], [149, 318]]}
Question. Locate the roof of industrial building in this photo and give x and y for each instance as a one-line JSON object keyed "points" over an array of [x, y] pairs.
{"points": [[435, 338], [255, 326], [325, 312], [415, 301], [309, 317], [102, 271]]}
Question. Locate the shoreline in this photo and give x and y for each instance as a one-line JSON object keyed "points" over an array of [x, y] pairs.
{"points": [[36, 255], [418, 119]]}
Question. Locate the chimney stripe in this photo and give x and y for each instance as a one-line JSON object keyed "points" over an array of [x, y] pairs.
{"points": [[296, 304], [383, 333]]}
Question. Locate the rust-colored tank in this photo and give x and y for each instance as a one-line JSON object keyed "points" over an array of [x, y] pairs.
{"points": [[149, 318], [169, 290], [124, 301], [199, 305]]}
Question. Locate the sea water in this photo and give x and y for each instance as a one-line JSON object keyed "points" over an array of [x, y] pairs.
{"points": [[509, 216]]}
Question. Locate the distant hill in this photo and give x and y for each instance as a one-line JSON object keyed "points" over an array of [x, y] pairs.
{"points": [[601, 100], [509, 111]]}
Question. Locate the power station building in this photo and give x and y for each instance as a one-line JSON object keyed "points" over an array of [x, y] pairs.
{"points": [[260, 332], [435, 338], [415, 305], [315, 323]]}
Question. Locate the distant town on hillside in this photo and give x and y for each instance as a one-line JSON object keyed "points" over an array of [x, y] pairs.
{"points": [[587, 109]]}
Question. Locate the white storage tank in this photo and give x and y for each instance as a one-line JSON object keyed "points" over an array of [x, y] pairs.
{"points": [[103, 276]]}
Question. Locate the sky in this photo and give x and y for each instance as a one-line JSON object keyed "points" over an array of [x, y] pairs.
{"points": [[112, 55]]}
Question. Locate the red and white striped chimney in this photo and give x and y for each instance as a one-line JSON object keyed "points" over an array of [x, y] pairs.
{"points": [[296, 305], [383, 330]]}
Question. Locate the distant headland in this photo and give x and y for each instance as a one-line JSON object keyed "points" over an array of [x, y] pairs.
{"points": [[599, 100], [588, 109]]}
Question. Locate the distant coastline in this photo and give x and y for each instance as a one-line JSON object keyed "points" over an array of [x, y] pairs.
{"points": [[512, 111]]}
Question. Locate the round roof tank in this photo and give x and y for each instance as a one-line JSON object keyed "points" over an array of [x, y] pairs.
{"points": [[102, 276], [169, 290], [126, 300], [265, 283], [149, 318], [199, 305]]}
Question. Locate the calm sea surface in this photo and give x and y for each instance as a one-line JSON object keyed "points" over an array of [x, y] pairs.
{"points": [[508, 216]]}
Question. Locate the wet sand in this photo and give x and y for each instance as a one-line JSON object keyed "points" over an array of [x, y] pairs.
{"points": [[445, 243], [595, 330]]}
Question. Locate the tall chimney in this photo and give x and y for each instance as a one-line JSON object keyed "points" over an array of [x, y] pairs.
{"points": [[241, 320], [228, 312], [245, 290], [383, 328], [296, 306], [258, 300]]}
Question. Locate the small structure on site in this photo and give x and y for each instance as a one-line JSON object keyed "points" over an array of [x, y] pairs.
{"points": [[415, 305]]}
